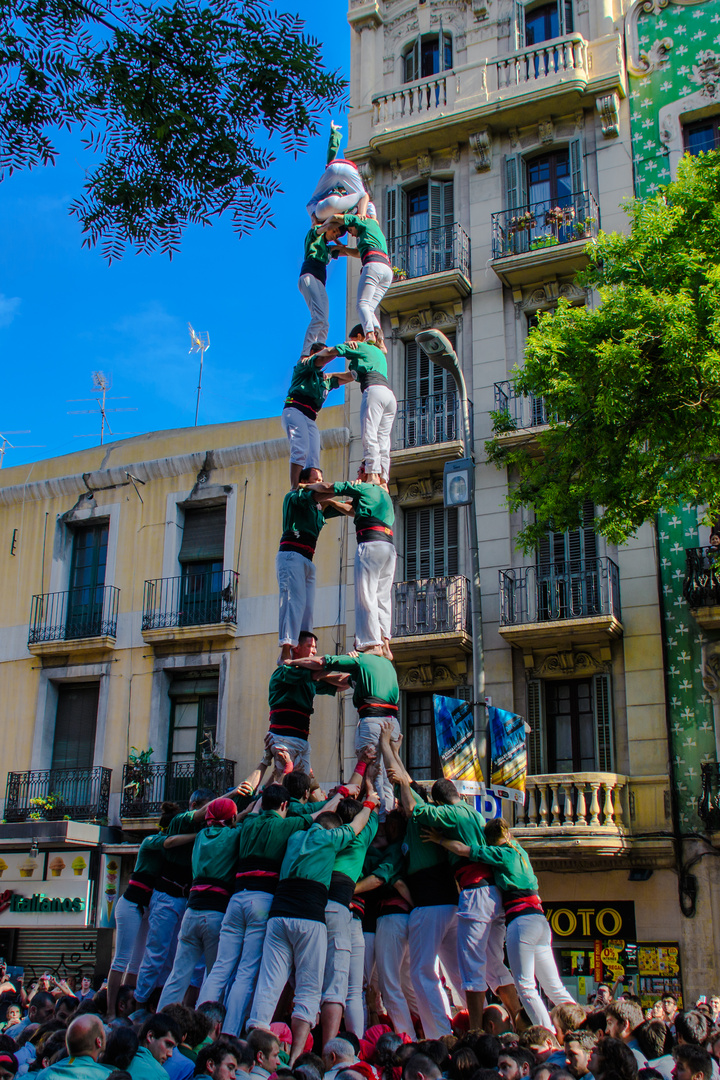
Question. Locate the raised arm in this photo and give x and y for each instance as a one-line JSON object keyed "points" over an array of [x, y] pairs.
{"points": [[311, 663]]}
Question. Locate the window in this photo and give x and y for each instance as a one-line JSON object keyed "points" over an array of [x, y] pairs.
{"points": [[420, 229], [545, 199], [75, 725], [431, 543], [544, 22], [424, 57], [567, 572], [201, 557], [430, 412], [87, 581], [571, 725], [423, 761], [193, 716], [702, 135]]}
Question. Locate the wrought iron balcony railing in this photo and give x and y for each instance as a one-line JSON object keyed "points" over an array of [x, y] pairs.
{"points": [[701, 587], [430, 251], [90, 611], [56, 794], [556, 591], [190, 600], [522, 410], [147, 787], [438, 605], [709, 801], [427, 420], [545, 224]]}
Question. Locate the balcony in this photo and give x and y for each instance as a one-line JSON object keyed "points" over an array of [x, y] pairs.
{"points": [[432, 267], [431, 617], [560, 604], [190, 608], [530, 242], [147, 786], [57, 794], [519, 88], [77, 620], [701, 587], [427, 433], [522, 416], [575, 818]]}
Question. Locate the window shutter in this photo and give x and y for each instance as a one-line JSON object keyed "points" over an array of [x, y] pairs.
{"points": [[424, 543], [576, 166], [410, 546], [566, 16], [75, 724], [438, 542], [431, 542], [395, 225], [519, 26], [414, 356], [602, 697], [203, 535], [452, 560], [511, 182], [535, 718]]}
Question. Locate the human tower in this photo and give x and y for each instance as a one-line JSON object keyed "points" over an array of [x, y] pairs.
{"points": [[310, 898]]}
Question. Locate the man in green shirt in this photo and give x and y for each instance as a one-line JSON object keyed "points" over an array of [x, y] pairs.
{"points": [[296, 933], [376, 274], [367, 364], [158, 1037], [309, 387], [85, 1041]]}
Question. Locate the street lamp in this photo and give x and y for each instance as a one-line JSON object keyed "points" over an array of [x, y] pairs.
{"points": [[440, 351]]}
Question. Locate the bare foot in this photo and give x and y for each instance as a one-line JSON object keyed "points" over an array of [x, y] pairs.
{"points": [[386, 651], [285, 654]]}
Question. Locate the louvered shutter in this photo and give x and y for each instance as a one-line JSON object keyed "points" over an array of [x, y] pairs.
{"points": [[576, 166], [203, 535], [536, 720], [75, 724], [438, 542], [431, 542], [519, 26], [511, 182], [602, 695], [452, 559], [396, 226], [566, 16]]}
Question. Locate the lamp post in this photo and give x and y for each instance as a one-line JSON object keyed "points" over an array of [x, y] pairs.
{"points": [[440, 351]]}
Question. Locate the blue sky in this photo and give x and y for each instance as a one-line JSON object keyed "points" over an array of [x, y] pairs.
{"points": [[65, 313]]}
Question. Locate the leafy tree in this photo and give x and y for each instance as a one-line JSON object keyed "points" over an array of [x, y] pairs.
{"points": [[174, 102], [632, 388]]}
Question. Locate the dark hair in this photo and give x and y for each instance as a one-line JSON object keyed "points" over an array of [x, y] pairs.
{"points": [[316, 347], [595, 1022], [616, 1058], [119, 1074], [124, 994], [654, 1038], [357, 331], [43, 997], [421, 1063], [120, 1048], [262, 1042], [387, 1044], [305, 634], [160, 1024], [436, 1050], [199, 1029], [486, 1074], [67, 999], [463, 1064], [273, 797], [297, 784], [584, 1038], [201, 796], [310, 1059], [215, 1052], [214, 1010], [692, 1027], [181, 1015], [625, 1012], [485, 1047], [347, 810], [241, 1048], [168, 811], [350, 1037], [48, 1048], [520, 1055], [696, 1058], [395, 825], [444, 792], [328, 820]]}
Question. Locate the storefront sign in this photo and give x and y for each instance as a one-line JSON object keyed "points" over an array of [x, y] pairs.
{"points": [[581, 921], [68, 864], [659, 970], [44, 905]]}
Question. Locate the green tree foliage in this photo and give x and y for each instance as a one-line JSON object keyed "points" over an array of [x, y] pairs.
{"points": [[632, 388], [174, 103]]}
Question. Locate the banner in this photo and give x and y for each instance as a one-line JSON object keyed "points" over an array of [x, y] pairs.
{"points": [[455, 735], [508, 754]]}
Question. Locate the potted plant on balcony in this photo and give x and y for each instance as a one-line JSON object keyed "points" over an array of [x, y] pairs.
{"points": [[550, 240], [138, 775], [399, 274], [584, 228], [48, 808]]}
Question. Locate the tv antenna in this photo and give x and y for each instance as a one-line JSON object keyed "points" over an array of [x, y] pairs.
{"points": [[101, 384], [5, 442], [199, 343]]}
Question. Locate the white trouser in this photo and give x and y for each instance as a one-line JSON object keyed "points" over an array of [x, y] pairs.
{"points": [[238, 958], [367, 733], [301, 942], [316, 298], [296, 585], [529, 949], [481, 937], [374, 572], [391, 957], [164, 917], [304, 438], [131, 930], [199, 934], [338, 918], [355, 1001], [298, 749], [377, 415], [375, 280], [433, 937], [339, 204]]}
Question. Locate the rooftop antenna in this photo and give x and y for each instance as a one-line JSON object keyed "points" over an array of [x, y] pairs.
{"points": [[199, 343], [101, 384], [6, 442]]}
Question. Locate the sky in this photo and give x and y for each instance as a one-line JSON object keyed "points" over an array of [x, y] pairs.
{"points": [[65, 313]]}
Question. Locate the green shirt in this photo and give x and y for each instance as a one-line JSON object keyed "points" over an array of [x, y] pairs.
{"points": [[305, 809], [511, 866], [310, 855], [301, 514], [368, 500], [295, 688], [182, 823], [459, 822], [373, 678], [266, 834], [214, 854], [366, 361], [370, 236], [310, 386], [83, 1067], [316, 246], [333, 144], [350, 860], [421, 854], [144, 1067], [390, 865], [150, 855]]}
